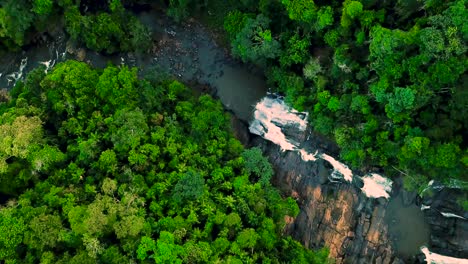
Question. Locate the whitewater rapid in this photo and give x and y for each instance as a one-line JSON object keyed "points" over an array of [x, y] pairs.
{"points": [[272, 115], [434, 258]]}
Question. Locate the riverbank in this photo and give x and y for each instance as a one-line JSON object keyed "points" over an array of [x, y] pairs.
{"points": [[334, 215]]}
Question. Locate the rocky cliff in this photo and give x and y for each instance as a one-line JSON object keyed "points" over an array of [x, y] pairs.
{"points": [[339, 216], [334, 215], [449, 234]]}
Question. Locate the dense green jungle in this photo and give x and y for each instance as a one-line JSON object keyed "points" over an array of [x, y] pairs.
{"points": [[108, 166]]}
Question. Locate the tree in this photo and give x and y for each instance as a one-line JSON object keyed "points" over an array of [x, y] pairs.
{"points": [[42, 7], [351, 10], [234, 22], [300, 10], [15, 20], [129, 129], [312, 69], [12, 229], [247, 238], [19, 138], [178, 9], [190, 187], [166, 251], [400, 101], [44, 232], [296, 51], [324, 18], [146, 244], [257, 164], [255, 42]]}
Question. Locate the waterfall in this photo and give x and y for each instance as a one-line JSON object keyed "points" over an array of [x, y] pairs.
{"points": [[376, 186], [271, 114], [18, 75], [450, 215], [272, 117], [434, 258]]}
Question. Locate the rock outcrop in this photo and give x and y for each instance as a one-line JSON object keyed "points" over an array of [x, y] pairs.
{"points": [[334, 215], [351, 225], [449, 235]]}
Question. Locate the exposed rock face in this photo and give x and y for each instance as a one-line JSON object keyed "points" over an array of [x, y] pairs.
{"points": [[352, 225], [449, 236], [334, 215], [81, 54]]}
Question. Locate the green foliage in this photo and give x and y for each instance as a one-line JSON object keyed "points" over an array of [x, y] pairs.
{"points": [[15, 19], [300, 10], [257, 164], [42, 7], [324, 18], [312, 69], [385, 81], [296, 51], [255, 42], [11, 234], [129, 129], [189, 188], [103, 31], [164, 183], [353, 8], [178, 9], [234, 22]]}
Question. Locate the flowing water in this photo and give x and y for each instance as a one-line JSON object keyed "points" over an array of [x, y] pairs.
{"points": [[272, 117], [190, 53], [187, 52]]}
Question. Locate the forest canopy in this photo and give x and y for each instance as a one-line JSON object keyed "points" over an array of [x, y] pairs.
{"points": [[101, 166], [385, 79]]}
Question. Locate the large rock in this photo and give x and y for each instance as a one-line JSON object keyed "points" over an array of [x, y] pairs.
{"points": [[449, 236], [334, 215]]}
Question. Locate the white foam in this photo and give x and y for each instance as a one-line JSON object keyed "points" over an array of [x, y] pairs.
{"points": [[376, 186], [434, 258], [272, 133], [277, 111], [270, 114], [425, 207], [307, 156], [335, 177], [450, 215], [48, 64], [15, 76], [339, 167]]}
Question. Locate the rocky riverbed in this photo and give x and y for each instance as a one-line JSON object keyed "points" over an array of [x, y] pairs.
{"points": [[338, 213], [356, 228]]}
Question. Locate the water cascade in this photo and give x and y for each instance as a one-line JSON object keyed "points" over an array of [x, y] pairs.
{"points": [[273, 117], [376, 186], [18, 75], [434, 258], [274, 120]]}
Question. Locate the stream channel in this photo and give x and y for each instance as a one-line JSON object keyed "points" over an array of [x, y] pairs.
{"points": [[189, 53]]}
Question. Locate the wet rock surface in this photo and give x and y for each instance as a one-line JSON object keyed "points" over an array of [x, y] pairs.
{"points": [[339, 216], [449, 235], [334, 215]]}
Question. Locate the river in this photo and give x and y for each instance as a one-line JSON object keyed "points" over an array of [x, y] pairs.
{"points": [[187, 52], [190, 53]]}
